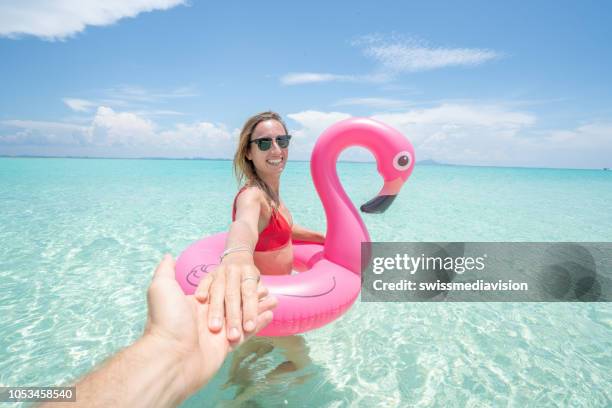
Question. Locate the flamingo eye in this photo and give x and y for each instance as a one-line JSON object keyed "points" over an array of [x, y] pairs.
{"points": [[402, 161]]}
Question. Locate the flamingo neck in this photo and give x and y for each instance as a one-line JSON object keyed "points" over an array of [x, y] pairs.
{"points": [[345, 228]]}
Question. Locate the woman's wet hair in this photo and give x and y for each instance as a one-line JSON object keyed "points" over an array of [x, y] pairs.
{"points": [[243, 167]]}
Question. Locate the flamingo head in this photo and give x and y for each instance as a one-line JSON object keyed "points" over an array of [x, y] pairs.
{"points": [[395, 160]]}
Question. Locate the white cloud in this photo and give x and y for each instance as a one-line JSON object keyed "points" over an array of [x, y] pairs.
{"points": [[493, 135], [313, 77], [201, 139], [474, 134], [132, 93], [133, 98], [110, 128], [79, 105], [457, 115], [53, 20], [42, 125], [312, 124], [310, 77], [588, 145], [412, 57], [398, 55], [315, 121], [40, 133], [117, 132], [458, 133]]}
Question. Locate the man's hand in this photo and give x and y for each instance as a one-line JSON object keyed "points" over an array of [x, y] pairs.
{"points": [[179, 323]]}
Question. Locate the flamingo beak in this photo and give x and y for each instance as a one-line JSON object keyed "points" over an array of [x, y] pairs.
{"points": [[384, 198], [378, 204]]}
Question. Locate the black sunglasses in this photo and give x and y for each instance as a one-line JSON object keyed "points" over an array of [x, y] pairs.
{"points": [[265, 143]]}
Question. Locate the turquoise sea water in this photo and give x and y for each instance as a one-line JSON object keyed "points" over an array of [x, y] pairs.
{"points": [[80, 238]]}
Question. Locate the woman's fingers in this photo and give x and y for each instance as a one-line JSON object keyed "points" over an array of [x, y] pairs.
{"points": [[250, 299], [266, 304], [262, 291], [262, 321], [236, 298], [217, 300], [201, 293], [233, 304]]}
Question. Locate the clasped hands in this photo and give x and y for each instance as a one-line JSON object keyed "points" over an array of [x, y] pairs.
{"points": [[193, 326]]}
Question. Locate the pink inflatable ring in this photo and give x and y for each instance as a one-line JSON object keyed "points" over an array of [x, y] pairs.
{"points": [[330, 275]]}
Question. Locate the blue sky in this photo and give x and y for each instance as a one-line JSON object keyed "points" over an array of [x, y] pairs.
{"points": [[475, 82]]}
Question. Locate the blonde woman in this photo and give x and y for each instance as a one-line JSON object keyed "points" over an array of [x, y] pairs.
{"points": [[259, 238]]}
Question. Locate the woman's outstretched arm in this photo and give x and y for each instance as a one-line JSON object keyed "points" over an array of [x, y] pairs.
{"points": [[231, 289]]}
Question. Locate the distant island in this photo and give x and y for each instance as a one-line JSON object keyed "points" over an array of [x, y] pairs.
{"points": [[430, 162]]}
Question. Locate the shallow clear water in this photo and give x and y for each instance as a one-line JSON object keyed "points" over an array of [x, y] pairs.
{"points": [[80, 238]]}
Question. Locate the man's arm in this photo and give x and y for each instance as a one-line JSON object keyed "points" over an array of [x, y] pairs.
{"points": [[145, 374], [176, 355]]}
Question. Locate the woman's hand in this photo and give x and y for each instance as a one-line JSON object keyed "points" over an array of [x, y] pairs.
{"points": [[231, 290], [178, 323]]}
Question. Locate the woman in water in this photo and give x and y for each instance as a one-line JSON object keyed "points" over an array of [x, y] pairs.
{"points": [[259, 238]]}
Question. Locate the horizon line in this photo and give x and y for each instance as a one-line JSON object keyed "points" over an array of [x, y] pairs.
{"points": [[424, 162]]}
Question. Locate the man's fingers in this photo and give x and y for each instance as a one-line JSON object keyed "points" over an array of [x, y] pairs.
{"points": [[165, 269], [233, 300], [217, 301]]}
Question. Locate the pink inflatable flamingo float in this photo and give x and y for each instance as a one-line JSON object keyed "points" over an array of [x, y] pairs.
{"points": [[331, 279]]}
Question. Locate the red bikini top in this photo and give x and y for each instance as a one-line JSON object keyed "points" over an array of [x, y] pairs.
{"points": [[276, 234]]}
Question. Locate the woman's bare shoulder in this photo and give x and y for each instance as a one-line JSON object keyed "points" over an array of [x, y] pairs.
{"points": [[251, 195]]}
